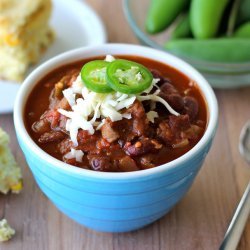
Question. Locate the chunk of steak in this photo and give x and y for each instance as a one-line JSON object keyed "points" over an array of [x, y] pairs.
{"points": [[50, 119], [164, 132], [65, 146], [87, 142], [127, 164], [63, 104], [136, 110], [41, 126], [179, 123], [108, 131], [139, 118], [192, 133], [52, 136]]}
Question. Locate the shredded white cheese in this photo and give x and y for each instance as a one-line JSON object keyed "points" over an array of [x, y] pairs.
{"points": [[109, 58], [74, 154], [125, 103], [138, 76], [154, 84], [100, 124], [70, 96], [151, 115], [86, 110], [67, 125], [121, 97], [158, 99], [77, 85], [92, 106], [127, 116]]}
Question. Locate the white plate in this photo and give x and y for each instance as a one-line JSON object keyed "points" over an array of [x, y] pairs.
{"points": [[75, 25]]}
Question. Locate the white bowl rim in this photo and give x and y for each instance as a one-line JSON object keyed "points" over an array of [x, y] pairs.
{"points": [[124, 49]]}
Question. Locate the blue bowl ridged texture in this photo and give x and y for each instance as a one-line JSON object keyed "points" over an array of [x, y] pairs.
{"points": [[114, 205]]}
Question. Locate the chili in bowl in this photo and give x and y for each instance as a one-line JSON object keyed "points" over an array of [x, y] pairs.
{"points": [[115, 134]]}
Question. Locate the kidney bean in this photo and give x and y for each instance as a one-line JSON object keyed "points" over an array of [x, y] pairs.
{"points": [[142, 146], [99, 163], [174, 100], [191, 107], [157, 75], [167, 89]]}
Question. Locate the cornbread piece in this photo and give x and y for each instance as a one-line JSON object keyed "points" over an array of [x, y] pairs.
{"points": [[6, 232], [10, 173], [24, 35]]}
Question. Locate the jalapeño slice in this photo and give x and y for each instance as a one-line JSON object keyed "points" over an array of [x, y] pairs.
{"points": [[128, 77], [93, 75]]}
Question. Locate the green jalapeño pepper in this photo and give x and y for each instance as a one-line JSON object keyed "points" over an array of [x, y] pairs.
{"points": [[128, 77], [233, 17], [244, 12], [93, 75], [243, 31], [228, 50], [182, 29], [161, 14], [205, 17]]}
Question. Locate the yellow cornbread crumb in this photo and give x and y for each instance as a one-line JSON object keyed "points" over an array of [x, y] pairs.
{"points": [[6, 232], [10, 173]]}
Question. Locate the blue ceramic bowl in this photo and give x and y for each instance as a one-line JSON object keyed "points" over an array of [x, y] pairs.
{"points": [[114, 202]]}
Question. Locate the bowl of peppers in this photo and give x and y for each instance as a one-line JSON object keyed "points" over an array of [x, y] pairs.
{"points": [[213, 36]]}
